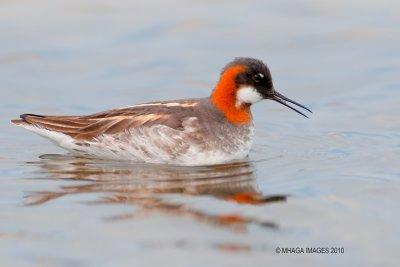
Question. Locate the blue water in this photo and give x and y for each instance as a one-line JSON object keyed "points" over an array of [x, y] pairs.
{"points": [[329, 181]]}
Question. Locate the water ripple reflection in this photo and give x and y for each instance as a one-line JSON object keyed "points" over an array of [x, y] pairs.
{"points": [[147, 186]]}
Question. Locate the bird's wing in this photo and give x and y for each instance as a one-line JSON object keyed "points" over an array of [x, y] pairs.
{"points": [[170, 114]]}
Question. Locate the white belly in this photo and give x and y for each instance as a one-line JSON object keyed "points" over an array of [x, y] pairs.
{"points": [[158, 145], [161, 144]]}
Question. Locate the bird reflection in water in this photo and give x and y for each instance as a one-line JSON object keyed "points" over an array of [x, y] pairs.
{"points": [[147, 186]]}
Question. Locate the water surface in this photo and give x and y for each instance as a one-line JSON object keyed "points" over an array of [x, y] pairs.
{"points": [[331, 180]]}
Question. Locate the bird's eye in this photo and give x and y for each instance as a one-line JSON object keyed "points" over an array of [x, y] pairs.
{"points": [[258, 77]]}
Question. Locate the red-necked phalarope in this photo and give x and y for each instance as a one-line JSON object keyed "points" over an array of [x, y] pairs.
{"points": [[211, 130]]}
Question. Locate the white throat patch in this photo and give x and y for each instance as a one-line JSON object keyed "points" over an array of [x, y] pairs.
{"points": [[247, 95]]}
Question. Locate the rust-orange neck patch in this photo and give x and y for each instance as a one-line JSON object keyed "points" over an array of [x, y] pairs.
{"points": [[224, 97]]}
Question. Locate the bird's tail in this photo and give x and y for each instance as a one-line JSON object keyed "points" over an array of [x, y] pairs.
{"points": [[24, 119]]}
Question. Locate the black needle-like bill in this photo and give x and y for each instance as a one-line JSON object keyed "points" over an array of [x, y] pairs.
{"points": [[283, 99]]}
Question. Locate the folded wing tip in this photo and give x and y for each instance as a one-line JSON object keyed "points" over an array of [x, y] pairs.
{"points": [[26, 115]]}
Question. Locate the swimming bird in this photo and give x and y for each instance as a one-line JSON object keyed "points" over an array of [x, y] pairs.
{"points": [[211, 130]]}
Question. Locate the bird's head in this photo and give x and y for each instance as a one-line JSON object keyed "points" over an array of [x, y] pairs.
{"points": [[243, 82]]}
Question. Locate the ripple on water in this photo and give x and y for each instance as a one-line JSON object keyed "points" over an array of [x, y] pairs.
{"points": [[147, 185]]}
